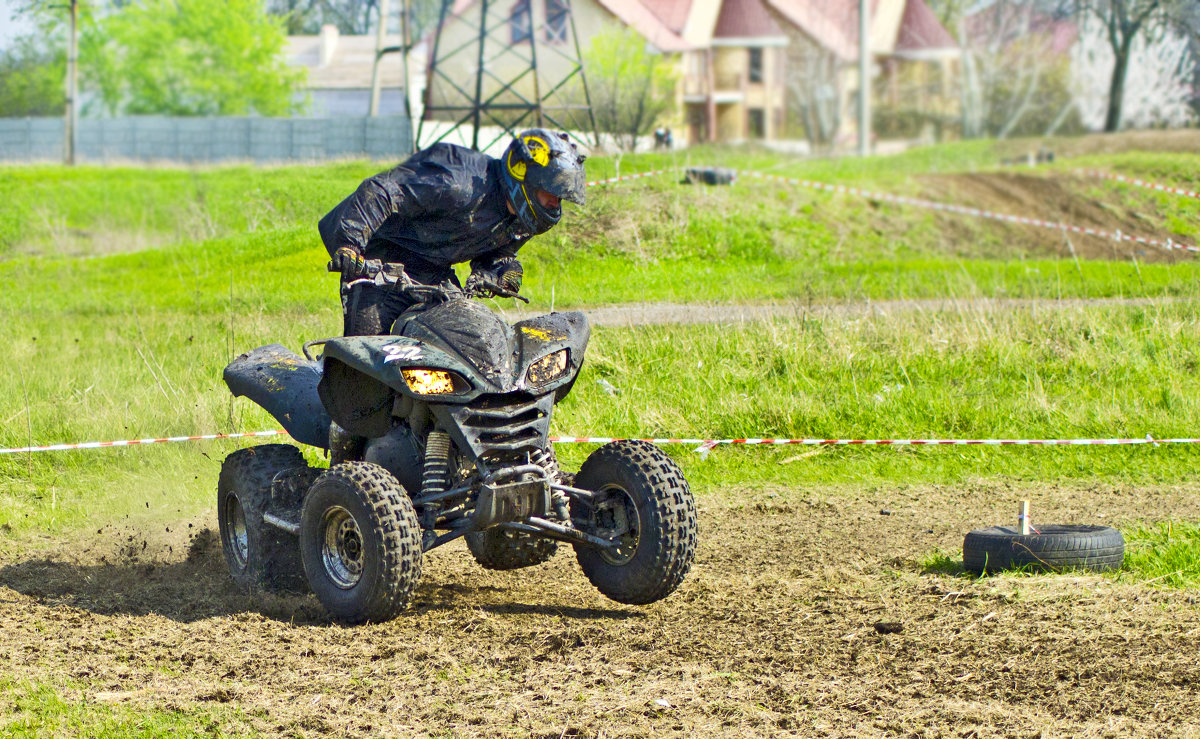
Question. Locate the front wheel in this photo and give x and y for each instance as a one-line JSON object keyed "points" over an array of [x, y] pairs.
{"points": [[361, 543], [643, 503]]}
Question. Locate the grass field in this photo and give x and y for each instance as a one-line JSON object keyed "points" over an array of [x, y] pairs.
{"points": [[131, 343], [127, 291]]}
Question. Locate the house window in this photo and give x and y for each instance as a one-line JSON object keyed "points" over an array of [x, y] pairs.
{"points": [[520, 22], [756, 65], [556, 21]]}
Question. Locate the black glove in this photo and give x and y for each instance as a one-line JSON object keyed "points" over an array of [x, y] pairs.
{"points": [[480, 282], [350, 263], [511, 275], [505, 274]]}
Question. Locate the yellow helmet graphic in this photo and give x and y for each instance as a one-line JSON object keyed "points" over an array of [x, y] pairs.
{"points": [[539, 152]]}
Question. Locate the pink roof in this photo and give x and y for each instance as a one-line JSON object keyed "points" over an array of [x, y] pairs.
{"points": [[633, 14], [1004, 24], [920, 30], [745, 19], [831, 23], [672, 13], [647, 23]]}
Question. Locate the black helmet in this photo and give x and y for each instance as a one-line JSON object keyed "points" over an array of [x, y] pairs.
{"points": [[538, 159]]}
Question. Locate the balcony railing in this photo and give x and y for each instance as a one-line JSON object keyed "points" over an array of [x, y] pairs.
{"points": [[695, 85]]}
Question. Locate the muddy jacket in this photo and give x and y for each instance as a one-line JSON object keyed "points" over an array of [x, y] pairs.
{"points": [[442, 206]]}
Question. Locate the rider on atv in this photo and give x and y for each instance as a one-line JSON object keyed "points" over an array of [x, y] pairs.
{"points": [[444, 205]]}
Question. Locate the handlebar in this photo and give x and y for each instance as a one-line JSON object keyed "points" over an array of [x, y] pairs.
{"points": [[392, 274]]}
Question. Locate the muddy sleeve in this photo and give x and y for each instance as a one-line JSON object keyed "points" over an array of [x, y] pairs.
{"points": [[376, 200]]}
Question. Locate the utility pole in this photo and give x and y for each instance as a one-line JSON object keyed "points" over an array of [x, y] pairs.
{"points": [[71, 121], [406, 43], [380, 40], [864, 77]]}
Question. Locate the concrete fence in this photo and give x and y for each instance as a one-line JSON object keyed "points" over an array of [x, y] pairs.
{"points": [[161, 139]]}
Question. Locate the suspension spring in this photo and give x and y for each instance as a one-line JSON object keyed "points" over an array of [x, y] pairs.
{"points": [[436, 477], [545, 459]]}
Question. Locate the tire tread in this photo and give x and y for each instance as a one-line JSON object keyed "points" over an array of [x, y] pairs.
{"points": [[395, 531], [673, 514], [1094, 548], [274, 560]]}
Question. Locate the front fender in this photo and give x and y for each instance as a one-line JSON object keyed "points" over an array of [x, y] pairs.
{"points": [[285, 385]]}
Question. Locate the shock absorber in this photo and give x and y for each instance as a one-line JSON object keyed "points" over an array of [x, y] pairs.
{"points": [[436, 477], [545, 459]]}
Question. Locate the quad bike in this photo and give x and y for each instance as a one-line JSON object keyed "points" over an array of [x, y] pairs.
{"points": [[435, 432]]}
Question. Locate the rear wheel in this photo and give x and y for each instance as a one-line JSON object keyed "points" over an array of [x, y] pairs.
{"points": [[361, 543], [643, 503], [260, 556], [498, 548]]}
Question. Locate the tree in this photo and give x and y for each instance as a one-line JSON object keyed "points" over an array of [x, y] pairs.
{"points": [[631, 87], [190, 57], [1124, 22], [813, 96], [1158, 79], [1016, 67], [31, 79], [353, 17]]}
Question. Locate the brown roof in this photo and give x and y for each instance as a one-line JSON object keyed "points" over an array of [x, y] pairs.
{"points": [[745, 19]]}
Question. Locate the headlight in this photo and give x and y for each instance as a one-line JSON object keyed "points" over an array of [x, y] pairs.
{"points": [[428, 381], [549, 367]]}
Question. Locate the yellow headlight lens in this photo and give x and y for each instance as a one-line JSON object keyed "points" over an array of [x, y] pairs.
{"points": [[428, 381], [548, 368]]}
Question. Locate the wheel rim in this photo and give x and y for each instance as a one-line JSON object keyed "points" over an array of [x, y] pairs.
{"points": [[236, 538], [341, 548], [617, 519]]}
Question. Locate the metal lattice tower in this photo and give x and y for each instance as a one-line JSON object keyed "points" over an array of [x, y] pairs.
{"points": [[501, 68]]}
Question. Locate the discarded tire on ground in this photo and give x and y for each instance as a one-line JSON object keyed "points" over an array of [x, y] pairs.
{"points": [[1056, 548]]}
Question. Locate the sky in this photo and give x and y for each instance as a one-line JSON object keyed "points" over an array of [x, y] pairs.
{"points": [[10, 28]]}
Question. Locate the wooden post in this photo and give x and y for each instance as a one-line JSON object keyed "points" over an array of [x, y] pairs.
{"points": [[1023, 518]]}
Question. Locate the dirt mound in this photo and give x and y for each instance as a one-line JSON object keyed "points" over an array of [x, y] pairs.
{"points": [[805, 615], [1182, 140], [1054, 198]]}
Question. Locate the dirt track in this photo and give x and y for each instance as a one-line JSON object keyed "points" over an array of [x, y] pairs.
{"points": [[776, 631], [1050, 197]]}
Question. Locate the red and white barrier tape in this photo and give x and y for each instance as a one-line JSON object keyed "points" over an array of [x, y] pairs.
{"points": [[702, 445], [963, 210], [138, 442], [1137, 182]]}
